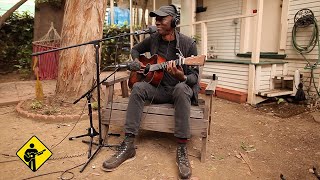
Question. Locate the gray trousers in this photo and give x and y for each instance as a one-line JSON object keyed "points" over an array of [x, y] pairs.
{"points": [[179, 96]]}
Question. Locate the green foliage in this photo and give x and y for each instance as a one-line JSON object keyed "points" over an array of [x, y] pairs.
{"points": [[16, 36], [36, 104], [196, 38], [52, 111], [280, 100], [115, 49], [94, 106]]}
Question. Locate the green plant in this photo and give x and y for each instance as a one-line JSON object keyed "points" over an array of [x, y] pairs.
{"points": [[94, 105], [16, 36], [36, 104], [280, 100], [51, 111], [196, 38], [115, 49]]}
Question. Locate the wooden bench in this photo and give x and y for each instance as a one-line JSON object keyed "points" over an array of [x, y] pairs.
{"points": [[158, 117]]}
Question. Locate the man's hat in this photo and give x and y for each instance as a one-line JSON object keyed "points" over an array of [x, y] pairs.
{"points": [[164, 11]]}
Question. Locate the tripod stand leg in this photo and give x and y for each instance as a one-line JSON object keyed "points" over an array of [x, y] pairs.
{"points": [[71, 138], [91, 132], [90, 147], [85, 165]]}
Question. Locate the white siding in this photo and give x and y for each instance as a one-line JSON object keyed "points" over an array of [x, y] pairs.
{"points": [[296, 61], [223, 43], [303, 34], [230, 76], [223, 36]]}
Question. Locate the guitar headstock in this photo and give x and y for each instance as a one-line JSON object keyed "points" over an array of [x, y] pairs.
{"points": [[195, 60]]}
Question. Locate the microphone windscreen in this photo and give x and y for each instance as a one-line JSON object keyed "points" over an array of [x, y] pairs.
{"points": [[134, 66], [152, 29]]}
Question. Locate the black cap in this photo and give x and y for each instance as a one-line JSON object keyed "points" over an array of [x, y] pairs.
{"points": [[164, 11]]}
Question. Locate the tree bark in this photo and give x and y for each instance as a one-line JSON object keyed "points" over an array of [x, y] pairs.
{"points": [[6, 15], [83, 22]]}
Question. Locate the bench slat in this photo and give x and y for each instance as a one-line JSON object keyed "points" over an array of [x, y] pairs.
{"points": [[160, 109], [156, 122]]}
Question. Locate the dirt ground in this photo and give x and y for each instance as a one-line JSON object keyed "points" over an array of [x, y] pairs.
{"points": [[273, 145], [14, 76]]}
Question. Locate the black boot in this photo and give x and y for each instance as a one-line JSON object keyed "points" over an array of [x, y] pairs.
{"points": [[125, 153], [183, 162]]}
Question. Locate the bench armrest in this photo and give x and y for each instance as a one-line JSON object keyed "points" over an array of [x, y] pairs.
{"points": [[120, 77], [211, 88]]}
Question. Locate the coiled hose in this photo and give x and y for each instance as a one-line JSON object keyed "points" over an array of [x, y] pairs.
{"points": [[302, 19]]}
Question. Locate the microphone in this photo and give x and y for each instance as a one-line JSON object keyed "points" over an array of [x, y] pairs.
{"points": [[150, 30], [131, 66]]}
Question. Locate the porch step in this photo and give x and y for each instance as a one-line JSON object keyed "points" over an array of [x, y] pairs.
{"points": [[275, 92], [283, 77]]}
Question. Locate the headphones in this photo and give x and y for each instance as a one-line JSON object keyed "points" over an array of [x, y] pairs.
{"points": [[176, 19]]}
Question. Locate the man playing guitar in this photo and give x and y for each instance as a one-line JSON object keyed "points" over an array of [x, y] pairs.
{"points": [[178, 86], [30, 156]]}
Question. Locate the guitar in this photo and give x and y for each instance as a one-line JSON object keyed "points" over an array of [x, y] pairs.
{"points": [[153, 72], [30, 155]]}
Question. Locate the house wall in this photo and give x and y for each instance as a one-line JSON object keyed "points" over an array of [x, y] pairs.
{"points": [[223, 43], [223, 36], [230, 76], [294, 59]]}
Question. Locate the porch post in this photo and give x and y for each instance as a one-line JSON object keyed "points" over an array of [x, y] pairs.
{"points": [[131, 25], [153, 9], [284, 26], [255, 52], [204, 39], [187, 16], [112, 12], [245, 27]]}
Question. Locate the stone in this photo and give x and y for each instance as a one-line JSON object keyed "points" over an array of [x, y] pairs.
{"points": [[316, 116]]}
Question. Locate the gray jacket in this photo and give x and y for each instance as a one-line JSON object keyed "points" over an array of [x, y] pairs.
{"points": [[185, 45]]}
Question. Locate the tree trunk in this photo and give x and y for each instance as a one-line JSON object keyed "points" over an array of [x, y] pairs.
{"points": [[6, 15], [83, 22]]}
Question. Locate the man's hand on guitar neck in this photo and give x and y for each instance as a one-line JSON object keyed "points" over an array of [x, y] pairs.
{"points": [[175, 72]]}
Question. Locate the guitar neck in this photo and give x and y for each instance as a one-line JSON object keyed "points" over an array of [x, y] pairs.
{"points": [[38, 153], [194, 61]]}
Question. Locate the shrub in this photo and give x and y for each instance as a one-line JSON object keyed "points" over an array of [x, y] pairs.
{"points": [[115, 49], [16, 36]]}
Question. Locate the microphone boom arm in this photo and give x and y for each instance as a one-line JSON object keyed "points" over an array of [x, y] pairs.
{"points": [[148, 31]]}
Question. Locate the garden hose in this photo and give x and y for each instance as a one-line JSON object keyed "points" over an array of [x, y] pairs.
{"points": [[302, 19]]}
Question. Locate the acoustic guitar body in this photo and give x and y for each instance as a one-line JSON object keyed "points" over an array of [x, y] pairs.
{"points": [[152, 77]]}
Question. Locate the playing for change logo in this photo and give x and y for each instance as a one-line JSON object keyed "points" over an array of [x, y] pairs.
{"points": [[34, 153]]}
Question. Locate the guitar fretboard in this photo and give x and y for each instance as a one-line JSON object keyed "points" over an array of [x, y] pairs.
{"points": [[155, 67]]}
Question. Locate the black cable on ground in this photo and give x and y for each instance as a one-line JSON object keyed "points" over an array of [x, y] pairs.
{"points": [[61, 176]]}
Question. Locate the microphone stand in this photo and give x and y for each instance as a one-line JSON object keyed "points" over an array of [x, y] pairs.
{"points": [[96, 45], [91, 131]]}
